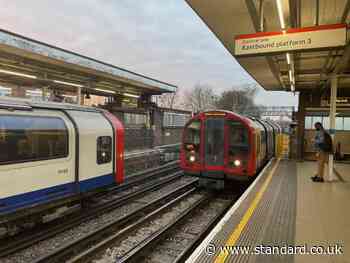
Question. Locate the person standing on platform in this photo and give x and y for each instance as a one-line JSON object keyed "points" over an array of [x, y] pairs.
{"points": [[324, 147]]}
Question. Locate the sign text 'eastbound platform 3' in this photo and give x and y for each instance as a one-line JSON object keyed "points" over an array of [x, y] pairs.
{"points": [[316, 37]]}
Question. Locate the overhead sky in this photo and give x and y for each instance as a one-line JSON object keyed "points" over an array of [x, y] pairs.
{"points": [[161, 39]]}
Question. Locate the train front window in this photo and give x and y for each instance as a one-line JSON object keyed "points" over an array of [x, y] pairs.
{"points": [[192, 135], [238, 144], [192, 138], [214, 141]]}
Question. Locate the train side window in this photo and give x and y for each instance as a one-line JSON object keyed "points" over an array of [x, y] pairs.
{"points": [[32, 138], [263, 136], [104, 149]]}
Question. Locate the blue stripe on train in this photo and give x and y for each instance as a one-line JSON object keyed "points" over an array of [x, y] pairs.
{"points": [[10, 204]]}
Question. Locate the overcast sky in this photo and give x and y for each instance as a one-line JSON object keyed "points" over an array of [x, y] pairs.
{"points": [[161, 39]]}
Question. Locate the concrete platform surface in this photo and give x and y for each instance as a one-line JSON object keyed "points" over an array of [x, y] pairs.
{"points": [[285, 217], [323, 213]]}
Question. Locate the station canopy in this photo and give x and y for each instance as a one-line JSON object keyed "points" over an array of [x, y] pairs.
{"points": [[287, 27], [28, 62]]}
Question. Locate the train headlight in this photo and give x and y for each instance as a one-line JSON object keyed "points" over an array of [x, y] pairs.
{"points": [[192, 158], [237, 162]]}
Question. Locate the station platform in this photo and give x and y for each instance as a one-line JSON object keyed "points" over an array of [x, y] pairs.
{"points": [[284, 217]]}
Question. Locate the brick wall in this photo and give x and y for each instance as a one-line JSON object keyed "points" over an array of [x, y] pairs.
{"points": [[143, 136]]}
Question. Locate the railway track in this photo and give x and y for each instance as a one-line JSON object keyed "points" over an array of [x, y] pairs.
{"points": [[135, 187], [189, 218], [120, 227], [176, 241]]}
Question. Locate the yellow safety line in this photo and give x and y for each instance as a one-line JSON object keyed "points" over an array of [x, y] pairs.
{"points": [[244, 221]]}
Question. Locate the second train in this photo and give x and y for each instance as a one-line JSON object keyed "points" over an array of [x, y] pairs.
{"points": [[221, 146]]}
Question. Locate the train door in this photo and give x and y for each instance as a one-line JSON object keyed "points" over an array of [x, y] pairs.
{"points": [[95, 150], [258, 149], [238, 144], [265, 135], [214, 142]]}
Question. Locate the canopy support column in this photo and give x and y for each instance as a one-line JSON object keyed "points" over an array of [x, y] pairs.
{"points": [[332, 115], [79, 95], [44, 91], [261, 15]]}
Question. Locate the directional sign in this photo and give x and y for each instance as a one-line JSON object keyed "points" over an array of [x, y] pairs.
{"points": [[317, 37]]}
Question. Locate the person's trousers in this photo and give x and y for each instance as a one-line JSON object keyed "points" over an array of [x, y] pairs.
{"points": [[322, 159]]}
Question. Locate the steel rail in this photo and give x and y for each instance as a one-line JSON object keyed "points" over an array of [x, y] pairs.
{"points": [[205, 232], [135, 254], [127, 221], [140, 177]]}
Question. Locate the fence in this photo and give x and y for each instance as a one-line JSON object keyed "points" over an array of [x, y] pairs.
{"points": [[146, 128]]}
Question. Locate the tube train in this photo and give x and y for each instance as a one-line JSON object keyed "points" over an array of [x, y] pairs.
{"points": [[222, 145], [54, 153]]}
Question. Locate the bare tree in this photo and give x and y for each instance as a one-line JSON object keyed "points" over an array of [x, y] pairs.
{"points": [[240, 100], [170, 100], [200, 98]]}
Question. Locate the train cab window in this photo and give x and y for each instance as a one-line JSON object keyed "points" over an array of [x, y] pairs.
{"points": [[104, 149], [192, 138], [32, 138], [192, 135]]}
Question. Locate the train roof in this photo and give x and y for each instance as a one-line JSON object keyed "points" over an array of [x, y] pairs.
{"points": [[250, 121], [230, 113], [27, 104], [221, 111]]}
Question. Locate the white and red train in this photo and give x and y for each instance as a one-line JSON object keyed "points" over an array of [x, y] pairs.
{"points": [[52, 153], [223, 145]]}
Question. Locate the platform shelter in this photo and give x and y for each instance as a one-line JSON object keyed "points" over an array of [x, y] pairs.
{"points": [[30, 67]]}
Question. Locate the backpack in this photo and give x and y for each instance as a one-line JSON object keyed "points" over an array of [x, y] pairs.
{"points": [[327, 145]]}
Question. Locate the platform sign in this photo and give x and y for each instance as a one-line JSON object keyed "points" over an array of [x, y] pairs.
{"points": [[341, 101], [317, 37]]}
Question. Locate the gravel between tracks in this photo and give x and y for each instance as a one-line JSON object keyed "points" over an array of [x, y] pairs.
{"points": [[137, 236], [47, 246], [177, 241]]}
